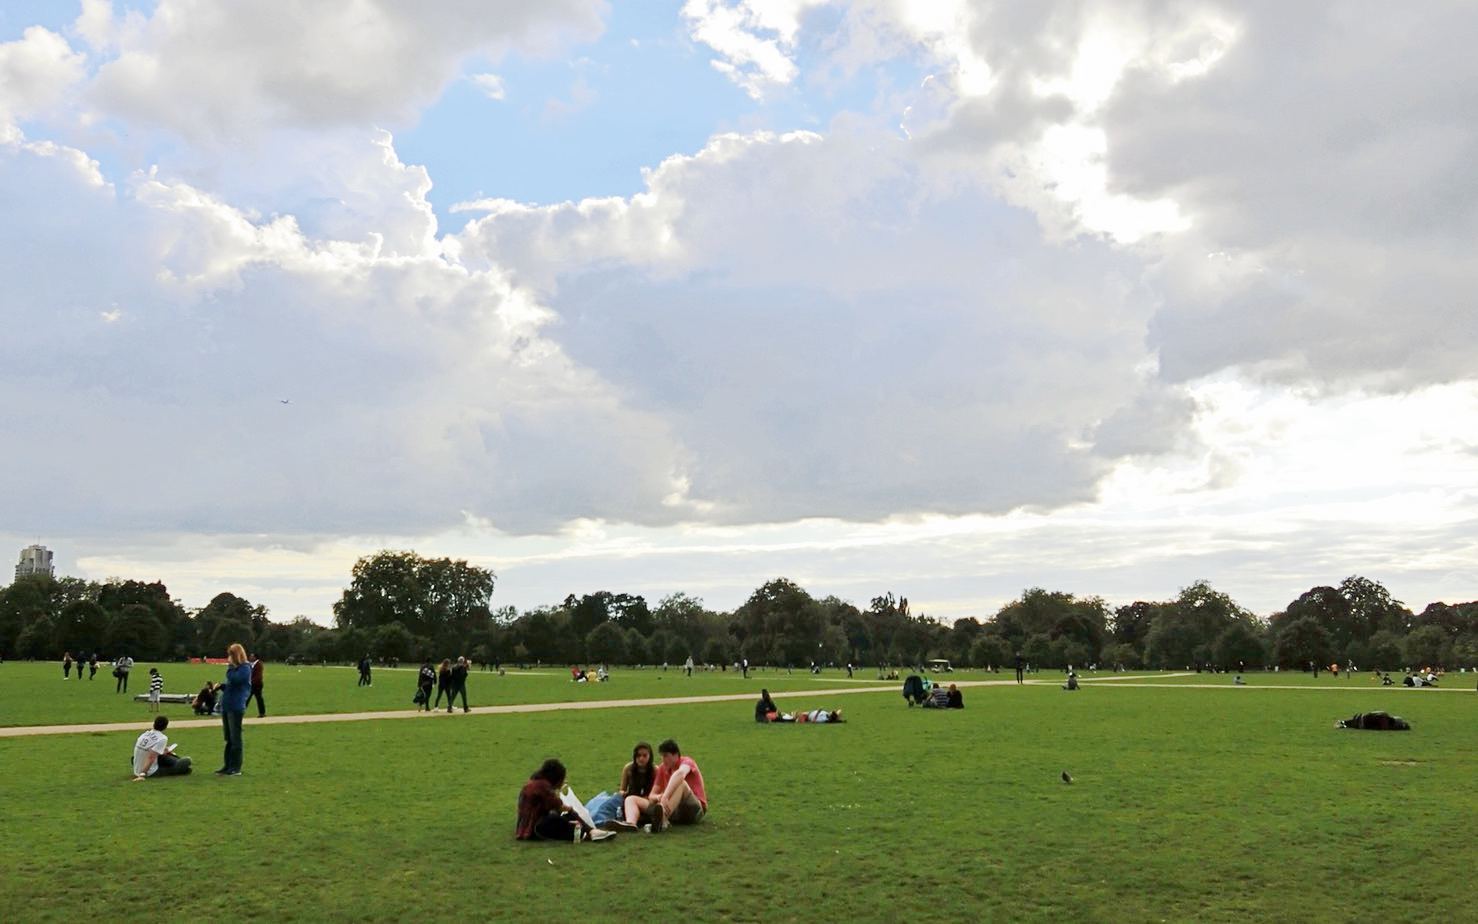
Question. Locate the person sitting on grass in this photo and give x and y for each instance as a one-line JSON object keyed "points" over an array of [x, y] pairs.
{"points": [[637, 779], [1072, 681], [938, 698], [205, 701], [956, 698], [154, 756], [543, 816], [678, 788], [765, 709]]}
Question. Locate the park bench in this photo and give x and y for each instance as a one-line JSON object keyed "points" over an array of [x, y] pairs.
{"points": [[184, 699]]}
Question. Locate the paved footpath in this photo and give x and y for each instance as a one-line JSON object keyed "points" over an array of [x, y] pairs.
{"points": [[893, 687], [251, 721]]}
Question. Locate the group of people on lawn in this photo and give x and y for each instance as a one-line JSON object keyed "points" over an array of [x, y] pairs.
{"points": [[152, 754], [652, 796]]}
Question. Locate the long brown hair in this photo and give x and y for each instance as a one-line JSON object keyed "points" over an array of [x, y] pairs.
{"points": [[642, 777]]}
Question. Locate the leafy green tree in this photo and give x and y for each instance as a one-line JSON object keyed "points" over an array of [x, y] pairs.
{"points": [[82, 626], [228, 632], [434, 597], [1329, 609], [606, 643], [542, 636], [1428, 646], [637, 650], [990, 651], [1301, 641], [715, 651], [21, 604], [176, 631], [1238, 642], [1131, 624], [1183, 630], [38, 639], [783, 620], [1057, 615], [393, 641], [135, 631], [663, 645], [1383, 652], [1037, 650], [1117, 654], [1372, 609]]}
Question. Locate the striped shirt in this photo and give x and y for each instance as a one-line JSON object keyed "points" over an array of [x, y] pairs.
{"points": [[156, 683]]}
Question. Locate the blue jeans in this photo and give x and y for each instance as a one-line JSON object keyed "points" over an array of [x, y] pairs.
{"points": [[231, 725], [604, 807]]}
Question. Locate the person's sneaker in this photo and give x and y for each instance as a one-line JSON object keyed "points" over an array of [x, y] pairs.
{"points": [[617, 824], [233, 773], [599, 835], [221, 772]]}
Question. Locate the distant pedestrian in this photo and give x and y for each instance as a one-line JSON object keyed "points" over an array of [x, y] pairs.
{"points": [[459, 684], [364, 672], [1020, 668], [67, 666], [688, 666], [256, 685], [744, 664], [121, 667], [92, 666], [444, 681], [425, 680]]}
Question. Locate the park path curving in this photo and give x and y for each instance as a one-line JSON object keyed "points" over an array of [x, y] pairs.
{"points": [[1129, 680], [22, 731]]}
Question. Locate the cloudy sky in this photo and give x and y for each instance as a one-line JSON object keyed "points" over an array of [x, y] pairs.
{"points": [[948, 299]]}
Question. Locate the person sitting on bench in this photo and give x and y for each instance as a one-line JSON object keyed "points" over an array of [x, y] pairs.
{"points": [[154, 756]]}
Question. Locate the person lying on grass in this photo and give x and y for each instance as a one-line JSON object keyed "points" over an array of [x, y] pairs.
{"points": [[678, 788], [153, 755], [543, 816]]}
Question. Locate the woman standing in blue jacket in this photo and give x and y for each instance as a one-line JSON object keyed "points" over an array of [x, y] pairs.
{"points": [[234, 694]]}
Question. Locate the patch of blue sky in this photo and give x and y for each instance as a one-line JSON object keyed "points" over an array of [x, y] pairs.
{"points": [[586, 125], [16, 16]]}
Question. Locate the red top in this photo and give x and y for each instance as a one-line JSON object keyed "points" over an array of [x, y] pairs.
{"points": [[256, 673], [535, 800], [694, 780]]}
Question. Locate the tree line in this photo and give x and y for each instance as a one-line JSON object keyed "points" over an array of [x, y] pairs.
{"points": [[401, 606]]}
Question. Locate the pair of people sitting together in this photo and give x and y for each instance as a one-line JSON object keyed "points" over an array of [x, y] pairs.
{"points": [[652, 796], [766, 711], [941, 698]]}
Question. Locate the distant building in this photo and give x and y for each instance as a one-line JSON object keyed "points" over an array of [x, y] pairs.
{"points": [[35, 559]]}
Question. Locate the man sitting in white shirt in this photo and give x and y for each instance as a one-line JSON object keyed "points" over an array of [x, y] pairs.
{"points": [[154, 756]]}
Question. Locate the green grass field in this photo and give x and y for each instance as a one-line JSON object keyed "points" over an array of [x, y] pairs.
{"points": [[1188, 805]]}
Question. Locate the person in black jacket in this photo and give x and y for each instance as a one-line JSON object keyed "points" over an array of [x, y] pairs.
{"points": [[364, 672], [443, 681], [459, 684], [425, 680]]}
